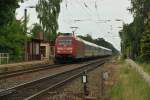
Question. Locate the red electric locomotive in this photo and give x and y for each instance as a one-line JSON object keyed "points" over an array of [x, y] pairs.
{"points": [[69, 47]]}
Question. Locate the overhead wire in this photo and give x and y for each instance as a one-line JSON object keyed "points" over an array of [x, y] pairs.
{"points": [[98, 16], [71, 13], [90, 10], [65, 1], [84, 12], [85, 8], [71, 16], [67, 13]]}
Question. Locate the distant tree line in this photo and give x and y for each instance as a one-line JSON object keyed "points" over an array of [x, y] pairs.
{"points": [[100, 42], [135, 37]]}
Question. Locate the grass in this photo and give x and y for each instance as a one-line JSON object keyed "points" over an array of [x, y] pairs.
{"points": [[146, 67], [130, 86]]}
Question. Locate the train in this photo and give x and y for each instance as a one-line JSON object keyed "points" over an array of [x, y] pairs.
{"points": [[69, 47]]}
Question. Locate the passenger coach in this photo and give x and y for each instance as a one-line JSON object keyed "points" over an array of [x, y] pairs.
{"points": [[69, 47]]}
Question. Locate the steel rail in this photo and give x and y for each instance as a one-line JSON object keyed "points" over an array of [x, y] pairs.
{"points": [[28, 70], [34, 68], [59, 84], [6, 94]]}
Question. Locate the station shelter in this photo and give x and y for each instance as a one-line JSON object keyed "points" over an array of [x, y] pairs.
{"points": [[40, 48], [47, 50], [33, 50]]}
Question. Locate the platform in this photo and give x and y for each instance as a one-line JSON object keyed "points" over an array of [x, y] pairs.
{"points": [[21, 65]]}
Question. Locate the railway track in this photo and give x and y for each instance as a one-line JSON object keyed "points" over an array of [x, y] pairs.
{"points": [[29, 70], [34, 89]]}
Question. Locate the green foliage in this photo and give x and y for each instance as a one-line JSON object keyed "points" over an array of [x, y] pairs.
{"points": [[140, 8], [7, 11], [101, 42], [87, 37], [37, 28], [13, 39], [146, 67], [48, 12], [130, 41], [117, 91], [135, 35], [11, 31], [145, 47], [145, 41]]}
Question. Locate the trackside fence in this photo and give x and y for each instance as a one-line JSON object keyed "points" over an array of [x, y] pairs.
{"points": [[4, 58]]}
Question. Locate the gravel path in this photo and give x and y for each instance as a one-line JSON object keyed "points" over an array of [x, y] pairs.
{"points": [[139, 69]]}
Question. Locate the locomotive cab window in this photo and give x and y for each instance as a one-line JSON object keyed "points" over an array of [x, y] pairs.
{"points": [[64, 42]]}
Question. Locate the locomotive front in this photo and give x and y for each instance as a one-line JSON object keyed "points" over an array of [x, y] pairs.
{"points": [[64, 48]]}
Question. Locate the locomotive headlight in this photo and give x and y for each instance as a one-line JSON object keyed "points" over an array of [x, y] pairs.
{"points": [[69, 48]]}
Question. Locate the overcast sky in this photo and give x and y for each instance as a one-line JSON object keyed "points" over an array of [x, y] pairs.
{"points": [[91, 14]]}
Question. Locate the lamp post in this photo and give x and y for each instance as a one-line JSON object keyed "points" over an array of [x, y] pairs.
{"points": [[25, 32], [25, 15]]}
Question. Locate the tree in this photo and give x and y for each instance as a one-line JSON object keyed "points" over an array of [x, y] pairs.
{"points": [[145, 47], [37, 28], [140, 8], [13, 40], [88, 37], [129, 41], [145, 41], [7, 11], [11, 30], [134, 35], [48, 12]]}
